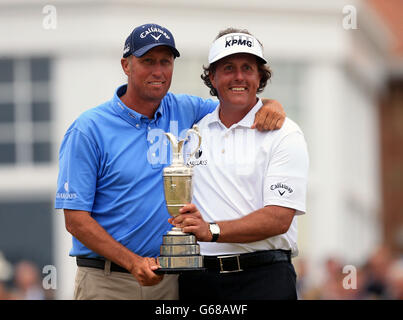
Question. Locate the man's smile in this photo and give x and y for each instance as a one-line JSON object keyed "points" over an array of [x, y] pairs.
{"points": [[156, 83], [238, 89]]}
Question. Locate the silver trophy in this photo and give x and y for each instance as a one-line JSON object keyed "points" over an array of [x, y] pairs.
{"points": [[179, 251]]}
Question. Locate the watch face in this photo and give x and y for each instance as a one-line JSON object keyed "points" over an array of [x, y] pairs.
{"points": [[214, 228]]}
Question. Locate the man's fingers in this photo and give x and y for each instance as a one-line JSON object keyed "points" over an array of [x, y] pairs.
{"points": [[190, 207], [184, 221], [270, 117], [190, 222], [274, 122], [177, 220], [190, 229], [280, 123], [260, 119], [146, 275], [271, 123], [154, 264]]}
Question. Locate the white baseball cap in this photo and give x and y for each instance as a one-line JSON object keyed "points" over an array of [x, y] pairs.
{"points": [[235, 43]]}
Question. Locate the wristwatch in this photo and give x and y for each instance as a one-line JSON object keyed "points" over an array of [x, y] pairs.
{"points": [[215, 231]]}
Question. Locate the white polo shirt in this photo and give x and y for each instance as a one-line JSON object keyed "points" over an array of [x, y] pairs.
{"points": [[238, 170]]}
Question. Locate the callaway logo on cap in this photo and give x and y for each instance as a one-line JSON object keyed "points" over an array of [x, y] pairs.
{"points": [[235, 43], [146, 37]]}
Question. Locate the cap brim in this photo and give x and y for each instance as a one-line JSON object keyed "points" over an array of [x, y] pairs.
{"points": [[227, 53], [141, 52]]}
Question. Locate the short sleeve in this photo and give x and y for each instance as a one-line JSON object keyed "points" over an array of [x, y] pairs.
{"points": [[78, 168], [285, 182], [199, 106], [206, 106]]}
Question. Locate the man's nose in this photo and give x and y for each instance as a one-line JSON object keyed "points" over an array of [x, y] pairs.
{"points": [[239, 76], [157, 70]]}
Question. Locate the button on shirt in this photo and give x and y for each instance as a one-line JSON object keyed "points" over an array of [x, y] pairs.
{"points": [[111, 160], [238, 170]]}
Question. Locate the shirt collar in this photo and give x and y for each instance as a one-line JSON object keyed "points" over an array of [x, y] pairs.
{"points": [[133, 117], [246, 121]]}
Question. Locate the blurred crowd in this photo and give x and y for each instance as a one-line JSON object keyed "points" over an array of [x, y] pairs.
{"points": [[379, 278], [22, 281]]}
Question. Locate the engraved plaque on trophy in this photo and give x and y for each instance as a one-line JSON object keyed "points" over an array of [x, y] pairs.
{"points": [[179, 251]]}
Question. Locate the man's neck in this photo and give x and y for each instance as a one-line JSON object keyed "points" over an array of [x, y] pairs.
{"points": [[142, 106], [230, 114]]}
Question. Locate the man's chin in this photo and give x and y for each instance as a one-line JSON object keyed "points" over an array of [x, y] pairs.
{"points": [[238, 101], [158, 93]]}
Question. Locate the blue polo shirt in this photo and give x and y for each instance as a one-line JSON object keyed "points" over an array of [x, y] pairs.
{"points": [[110, 164]]}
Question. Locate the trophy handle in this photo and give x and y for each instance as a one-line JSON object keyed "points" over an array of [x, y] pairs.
{"points": [[174, 142], [195, 130], [177, 145]]}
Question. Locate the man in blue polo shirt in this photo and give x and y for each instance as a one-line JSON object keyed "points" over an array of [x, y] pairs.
{"points": [[110, 178]]}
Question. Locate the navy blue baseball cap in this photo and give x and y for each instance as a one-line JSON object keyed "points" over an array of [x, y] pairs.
{"points": [[146, 37]]}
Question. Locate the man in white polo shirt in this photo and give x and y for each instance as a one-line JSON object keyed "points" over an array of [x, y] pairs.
{"points": [[249, 186]]}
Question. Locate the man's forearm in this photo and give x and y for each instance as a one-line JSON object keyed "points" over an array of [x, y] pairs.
{"points": [[91, 234], [261, 224]]}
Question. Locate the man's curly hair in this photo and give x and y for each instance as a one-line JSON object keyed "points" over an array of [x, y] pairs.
{"points": [[263, 69]]}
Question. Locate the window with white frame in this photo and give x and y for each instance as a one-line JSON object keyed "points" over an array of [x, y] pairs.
{"points": [[25, 111]]}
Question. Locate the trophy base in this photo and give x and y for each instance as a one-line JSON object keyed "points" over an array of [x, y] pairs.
{"points": [[180, 253], [178, 270]]}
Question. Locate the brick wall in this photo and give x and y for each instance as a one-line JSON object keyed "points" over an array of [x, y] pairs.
{"points": [[391, 127]]}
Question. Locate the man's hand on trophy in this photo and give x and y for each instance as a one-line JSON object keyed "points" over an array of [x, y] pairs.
{"points": [[143, 270], [191, 221]]}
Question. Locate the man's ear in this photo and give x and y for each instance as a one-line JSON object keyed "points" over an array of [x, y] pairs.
{"points": [[125, 62]]}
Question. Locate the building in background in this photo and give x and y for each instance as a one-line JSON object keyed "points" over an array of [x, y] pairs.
{"points": [[331, 63], [391, 127]]}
